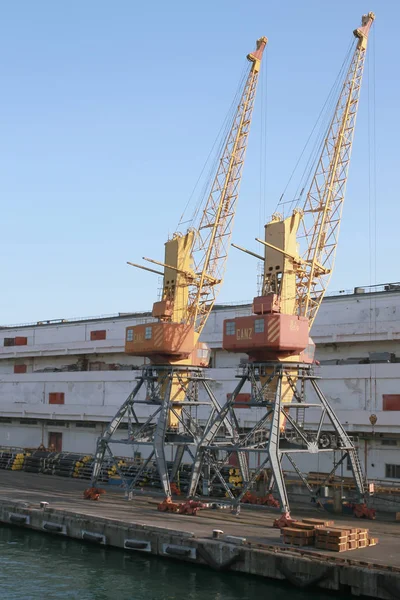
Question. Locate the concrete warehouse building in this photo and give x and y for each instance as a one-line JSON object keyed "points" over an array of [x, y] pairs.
{"points": [[62, 381]]}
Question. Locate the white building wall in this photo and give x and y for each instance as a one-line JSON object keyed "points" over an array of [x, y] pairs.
{"points": [[354, 391], [358, 318], [353, 319], [346, 327], [338, 352]]}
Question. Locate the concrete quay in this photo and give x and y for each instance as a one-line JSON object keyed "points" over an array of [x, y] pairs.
{"points": [[248, 545]]}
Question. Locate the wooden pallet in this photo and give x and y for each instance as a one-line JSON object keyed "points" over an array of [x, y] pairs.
{"points": [[318, 522], [343, 547], [373, 541], [296, 541], [306, 526], [324, 535], [298, 537]]}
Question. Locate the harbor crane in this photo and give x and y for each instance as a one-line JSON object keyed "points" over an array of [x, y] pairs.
{"points": [[298, 259], [192, 271]]}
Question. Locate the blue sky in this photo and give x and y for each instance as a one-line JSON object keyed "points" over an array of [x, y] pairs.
{"points": [[109, 109]]}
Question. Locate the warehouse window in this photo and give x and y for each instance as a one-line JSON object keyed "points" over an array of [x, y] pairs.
{"points": [[129, 335], [389, 442], [259, 326], [87, 424], [230, 328], [147, 333], [392, 471], [28, 422]]}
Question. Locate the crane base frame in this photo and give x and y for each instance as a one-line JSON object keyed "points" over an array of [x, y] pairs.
{"points": [[266, 436], [154, 432]]}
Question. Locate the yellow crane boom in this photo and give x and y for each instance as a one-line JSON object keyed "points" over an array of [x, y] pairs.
{"points": [[214, 232], [192, 270], [194, 262], [324, 201], [294, 282]]}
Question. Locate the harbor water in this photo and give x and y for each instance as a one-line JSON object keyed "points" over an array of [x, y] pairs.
{"points": [[35, 566]]}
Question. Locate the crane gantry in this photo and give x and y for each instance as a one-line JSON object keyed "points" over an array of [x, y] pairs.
{"points": [[193, 270], [299, 253]]}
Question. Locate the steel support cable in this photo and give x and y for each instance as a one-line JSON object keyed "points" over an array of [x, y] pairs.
{"points": [[374, 37], [261, 166], [214, 164], [214, 231], [263, 84], [324, 198], [224, 139], [326, 107], [221, 138], [263, 143], [372, 213], [324, 118], [325, 121], [265, 134], [369, 222]]}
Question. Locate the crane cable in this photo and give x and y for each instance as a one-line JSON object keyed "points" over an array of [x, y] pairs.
{"points": [[323, 117], [325, 122], [263, 143], [220, 140], [372, 215], [263, 165]]}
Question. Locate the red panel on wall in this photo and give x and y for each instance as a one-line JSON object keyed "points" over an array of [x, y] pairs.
{"points": [[21, 341], [241, 400], [19, 368], [55, 441], [56, 398], [391, 401], [233, 460], [99, 334]]}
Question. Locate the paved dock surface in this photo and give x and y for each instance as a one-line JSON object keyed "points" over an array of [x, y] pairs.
{"points": [[254, 524]]}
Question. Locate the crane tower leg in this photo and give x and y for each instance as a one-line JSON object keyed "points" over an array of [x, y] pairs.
{"points": [[154, 434], [302, 434], [273, 449]]}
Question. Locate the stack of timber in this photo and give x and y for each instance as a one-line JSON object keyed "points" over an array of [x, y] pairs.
{"points": [[297, 536], [323, 535], [303, 533]]}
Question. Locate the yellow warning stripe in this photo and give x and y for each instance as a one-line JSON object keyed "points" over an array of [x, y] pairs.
{"points": [[158, 338]]}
